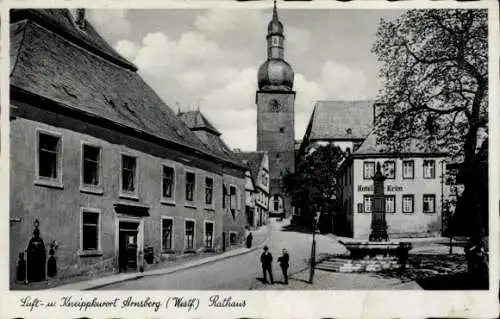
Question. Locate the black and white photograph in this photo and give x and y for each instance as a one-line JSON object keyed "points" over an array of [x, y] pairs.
{"points": [[250, 147]]}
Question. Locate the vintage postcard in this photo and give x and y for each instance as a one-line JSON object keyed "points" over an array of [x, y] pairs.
{"points": [[264, 159]]}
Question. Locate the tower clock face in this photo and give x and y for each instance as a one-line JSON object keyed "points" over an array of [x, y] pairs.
{"points": [[275, 106]]}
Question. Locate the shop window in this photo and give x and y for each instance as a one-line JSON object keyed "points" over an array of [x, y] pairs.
{"points": [[190, 186], [389, 169], [429, 169], [368, 170], [168, 176], [166, 231], [390, 203], [189, 235], [90, 230], [429, 203], [209, 234], [408, 170], [129, 171], [367, 203], [232, 238], [408, 204], [90, 165], [209, 189]]}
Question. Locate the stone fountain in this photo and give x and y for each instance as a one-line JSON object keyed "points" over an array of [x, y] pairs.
{"points": [[378, 252]]}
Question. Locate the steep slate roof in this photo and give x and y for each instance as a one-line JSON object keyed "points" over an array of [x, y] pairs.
{"points": [[61, 21], [253, 161], [51, 66], [341, 120], [371, 146], [209, 135]]}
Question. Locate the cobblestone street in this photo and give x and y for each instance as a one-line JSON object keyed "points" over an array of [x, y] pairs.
{"points": [[244, 272]]}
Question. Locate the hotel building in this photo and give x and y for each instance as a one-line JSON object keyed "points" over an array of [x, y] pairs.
{"points": [[414, 185], [413, 188]]}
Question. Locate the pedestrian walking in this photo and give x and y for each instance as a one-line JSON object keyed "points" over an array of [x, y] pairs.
{"points": [[283, 260], [267, 264], [249, 240]]}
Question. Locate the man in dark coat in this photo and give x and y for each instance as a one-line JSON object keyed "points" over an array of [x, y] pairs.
{"points": [[267, 259], [283, 260], [249, 240]]}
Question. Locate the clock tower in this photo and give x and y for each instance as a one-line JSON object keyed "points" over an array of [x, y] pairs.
{"points": [[275, 101]]}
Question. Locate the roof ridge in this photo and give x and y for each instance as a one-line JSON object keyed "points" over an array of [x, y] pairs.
{"points": [[345, 100]]}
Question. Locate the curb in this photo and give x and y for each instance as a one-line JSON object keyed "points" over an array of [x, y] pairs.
{"points": [[170, 271]]}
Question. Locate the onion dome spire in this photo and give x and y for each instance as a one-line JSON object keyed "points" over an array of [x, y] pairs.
{"points": [[275, 73]]}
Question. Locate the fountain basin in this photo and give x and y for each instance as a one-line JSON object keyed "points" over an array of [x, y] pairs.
{"points": [[369, 256], [359, 249]]}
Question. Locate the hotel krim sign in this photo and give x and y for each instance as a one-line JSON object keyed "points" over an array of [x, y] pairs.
{"points": [[388, 188]]}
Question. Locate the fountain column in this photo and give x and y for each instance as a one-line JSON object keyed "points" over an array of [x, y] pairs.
{"points": [[379, 223]]}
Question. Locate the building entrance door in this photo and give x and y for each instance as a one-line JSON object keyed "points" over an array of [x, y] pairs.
{"points": [[127, 251]]}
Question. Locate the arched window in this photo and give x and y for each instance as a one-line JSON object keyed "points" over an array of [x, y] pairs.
{"points": [[277, 203]]}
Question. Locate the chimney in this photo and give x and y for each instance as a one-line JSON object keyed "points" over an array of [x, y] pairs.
{"points": [[80, 18]]}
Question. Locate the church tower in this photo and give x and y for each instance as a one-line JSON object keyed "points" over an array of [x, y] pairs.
{"points": [[275, 101]]}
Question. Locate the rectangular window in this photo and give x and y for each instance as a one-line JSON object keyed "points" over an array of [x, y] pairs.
{"points": [[90, 167], [368, 170], [408, 206], [390, 169], [167, 181], [429, 203], [49, 149], [190, 186], [209, 189], [189, 226], [390, 203], [408, 170], [209, 234], [429, 169], [224, 196], [166, 234], [90, 231], [367, 203], [276, 205], [232, 199], [129, 166]]}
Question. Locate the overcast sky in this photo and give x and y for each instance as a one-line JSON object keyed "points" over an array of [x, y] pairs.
{"points": [[210, 58]]}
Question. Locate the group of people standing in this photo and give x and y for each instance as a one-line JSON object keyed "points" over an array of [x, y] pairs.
{"points": [[267, 259]]}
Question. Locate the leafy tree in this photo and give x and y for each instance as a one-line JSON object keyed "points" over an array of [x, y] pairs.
{"points": [[313, 185], [434, 68]]}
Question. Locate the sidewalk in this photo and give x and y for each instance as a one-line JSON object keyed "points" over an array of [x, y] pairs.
{"points": [[260, 238]]}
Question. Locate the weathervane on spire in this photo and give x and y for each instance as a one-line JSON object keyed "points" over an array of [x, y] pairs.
{"points": [[275, 11]]}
